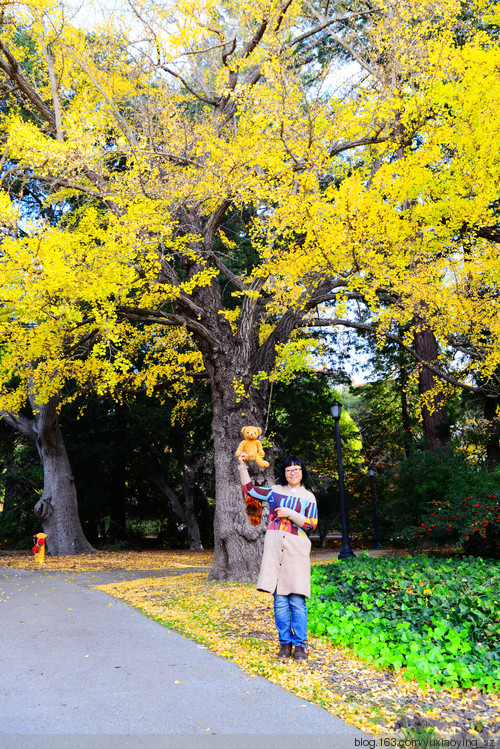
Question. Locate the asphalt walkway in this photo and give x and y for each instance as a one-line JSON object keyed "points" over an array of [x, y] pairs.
{"points": [[76, 662]]}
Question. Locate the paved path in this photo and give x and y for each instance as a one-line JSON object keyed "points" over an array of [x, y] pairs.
{"points": [[76, 661]]}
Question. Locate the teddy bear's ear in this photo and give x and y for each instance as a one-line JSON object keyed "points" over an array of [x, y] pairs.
{"points": [[259, 430], [243, 430]]}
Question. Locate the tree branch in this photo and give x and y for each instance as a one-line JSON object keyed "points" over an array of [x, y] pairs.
{"points": [[121, 120], [228, 53], [255, 39], [55, 96], [213, 102], [368, 141], [326, 23], [492, 233], [215, 221], [282, 14], [13, 72], [343, 43], [21, 424], [322, 322], [54, 182], [157, 317]]}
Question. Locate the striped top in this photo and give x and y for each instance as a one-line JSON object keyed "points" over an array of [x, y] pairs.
{"points": [[279, 496]]}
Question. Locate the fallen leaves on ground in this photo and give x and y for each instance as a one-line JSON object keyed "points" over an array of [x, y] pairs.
{"points": [[236, 622], [125, 560], [110, 560]]}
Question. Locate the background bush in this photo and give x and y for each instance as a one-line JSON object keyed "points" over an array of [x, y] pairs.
{"points": [[413, 489], [474, 522]]}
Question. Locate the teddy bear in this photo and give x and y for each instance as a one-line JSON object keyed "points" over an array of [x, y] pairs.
{"points": [[254, 509], [251, 446]]}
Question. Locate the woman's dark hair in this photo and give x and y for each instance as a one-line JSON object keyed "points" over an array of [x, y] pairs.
{"points": [[289, 461]]}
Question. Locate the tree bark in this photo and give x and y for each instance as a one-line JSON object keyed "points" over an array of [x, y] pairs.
{"points": [[57, 509], [237, 544], [435, 421]]}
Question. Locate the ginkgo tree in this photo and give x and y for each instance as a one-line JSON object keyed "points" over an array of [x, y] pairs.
{"points": [[154, 127]]}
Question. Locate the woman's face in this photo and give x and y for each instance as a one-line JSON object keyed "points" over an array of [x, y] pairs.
{"points": [[293, 475]]}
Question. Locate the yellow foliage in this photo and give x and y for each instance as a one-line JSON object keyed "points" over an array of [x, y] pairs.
{"points": [[156, 125]]}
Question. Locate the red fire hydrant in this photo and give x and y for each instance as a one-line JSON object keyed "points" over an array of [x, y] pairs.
{"points": [[39, 547]]}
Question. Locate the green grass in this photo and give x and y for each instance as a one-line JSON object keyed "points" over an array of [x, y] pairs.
{"points": [[436, 618]]}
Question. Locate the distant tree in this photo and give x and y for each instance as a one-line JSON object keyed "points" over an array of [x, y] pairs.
{"points": [[21, 483]]}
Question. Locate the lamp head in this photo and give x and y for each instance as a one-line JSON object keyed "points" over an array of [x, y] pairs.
{"points": [[336, 409]]}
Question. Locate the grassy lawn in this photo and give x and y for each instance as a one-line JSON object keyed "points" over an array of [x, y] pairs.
{"points": [[236, 622]]}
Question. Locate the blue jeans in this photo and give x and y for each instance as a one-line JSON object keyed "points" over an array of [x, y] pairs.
{"points": [[290, 615]]}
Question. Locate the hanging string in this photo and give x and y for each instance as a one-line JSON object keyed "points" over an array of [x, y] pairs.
{"points": [[269, 401]]}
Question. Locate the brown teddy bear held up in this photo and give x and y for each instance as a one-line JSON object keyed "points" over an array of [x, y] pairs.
{"points": [[251, 446]]}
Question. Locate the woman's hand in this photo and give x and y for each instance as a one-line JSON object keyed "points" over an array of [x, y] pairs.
{"points": [[242, 459], [283, 512]]}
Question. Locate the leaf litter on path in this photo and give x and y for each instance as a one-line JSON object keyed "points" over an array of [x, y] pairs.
{"points": [[236, 621]]}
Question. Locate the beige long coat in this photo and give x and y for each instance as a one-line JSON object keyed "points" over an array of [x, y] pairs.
{"points": [[286, 563]]}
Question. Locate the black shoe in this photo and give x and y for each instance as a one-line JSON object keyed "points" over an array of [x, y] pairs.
{"points": [[299, 654], [285, 651]]}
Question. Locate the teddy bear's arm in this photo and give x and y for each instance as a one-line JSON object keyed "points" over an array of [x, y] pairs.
{"points": [[260, 449], [241, 447]]}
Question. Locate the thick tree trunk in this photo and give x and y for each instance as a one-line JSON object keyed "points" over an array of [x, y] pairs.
{"points": [[232, 357], [237, 544], [435, 421], [57, 509]]}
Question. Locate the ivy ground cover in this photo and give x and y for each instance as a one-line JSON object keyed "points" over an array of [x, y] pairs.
{"points": [[438, 619]]}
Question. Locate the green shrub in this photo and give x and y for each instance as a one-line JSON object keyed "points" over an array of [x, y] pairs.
{"points": [[474, 522], [411, 490], [436, 618]]}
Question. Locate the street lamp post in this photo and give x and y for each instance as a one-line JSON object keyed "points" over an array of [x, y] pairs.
{"points": [[346, 551], [371, 474]]}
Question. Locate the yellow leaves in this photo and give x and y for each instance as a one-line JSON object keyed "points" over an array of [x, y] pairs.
{"points": [[229, 244], [296, 356], [9, 213], [105, 560], [401, 33], [62, 289], [236, 621], [140, 146], [239, 390], [492, 11]]}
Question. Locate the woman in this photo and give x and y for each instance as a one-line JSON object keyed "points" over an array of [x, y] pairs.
{"points": [[286, 567]]}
